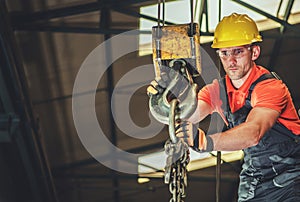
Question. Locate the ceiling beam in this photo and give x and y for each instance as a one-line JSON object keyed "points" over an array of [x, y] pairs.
{"points": [[18, 18], [77, 30], [287, 13], [261, 12], [203, 13], [105, 21], [25, 144], [139, 15]]}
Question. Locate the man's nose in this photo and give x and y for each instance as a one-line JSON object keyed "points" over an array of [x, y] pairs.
{"points": [[231, 59]]}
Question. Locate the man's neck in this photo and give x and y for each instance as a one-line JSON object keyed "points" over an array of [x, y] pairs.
{"points": [[239, 82]]}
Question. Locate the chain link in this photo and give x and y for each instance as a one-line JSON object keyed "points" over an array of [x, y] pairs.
{"points": [[175, 170]]}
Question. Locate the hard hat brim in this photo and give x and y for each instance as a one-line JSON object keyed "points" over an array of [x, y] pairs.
{"points": [[232, 43]]}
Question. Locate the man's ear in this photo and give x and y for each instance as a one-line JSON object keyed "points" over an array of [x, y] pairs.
{"points": [[255, 52]]}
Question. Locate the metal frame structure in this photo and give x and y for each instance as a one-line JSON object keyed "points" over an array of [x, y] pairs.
{"points": [[39, 21], [18, 126]]}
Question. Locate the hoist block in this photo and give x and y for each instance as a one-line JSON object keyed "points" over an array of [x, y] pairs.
{"points": [[176, 42]]}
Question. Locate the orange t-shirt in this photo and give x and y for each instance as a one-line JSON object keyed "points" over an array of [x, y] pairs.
{"points": [[270, 93]]}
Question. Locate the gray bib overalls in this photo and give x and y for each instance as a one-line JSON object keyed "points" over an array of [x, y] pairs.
{"points": [[271, 169]]}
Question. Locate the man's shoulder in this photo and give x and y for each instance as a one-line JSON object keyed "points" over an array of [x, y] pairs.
{"points": [[272, 88], [259, 71], [264, 77]]}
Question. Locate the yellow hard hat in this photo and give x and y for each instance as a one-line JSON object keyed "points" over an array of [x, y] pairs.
{"points": [[235, 30]]}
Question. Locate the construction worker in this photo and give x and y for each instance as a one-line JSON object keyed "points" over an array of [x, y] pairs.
{"points": [[259, 113]]}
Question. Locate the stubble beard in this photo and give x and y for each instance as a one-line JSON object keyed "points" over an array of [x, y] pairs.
{"points": [[235, 74]]}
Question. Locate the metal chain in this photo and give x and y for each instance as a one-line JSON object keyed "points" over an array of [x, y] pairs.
{"points": [[176, 171], [177, 159]]}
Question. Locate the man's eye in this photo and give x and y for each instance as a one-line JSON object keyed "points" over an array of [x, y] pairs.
{"points": [[225, 53], [238, 51]]}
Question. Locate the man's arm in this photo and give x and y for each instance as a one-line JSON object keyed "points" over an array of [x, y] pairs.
{"points": [[247, 134], [203, 109]]}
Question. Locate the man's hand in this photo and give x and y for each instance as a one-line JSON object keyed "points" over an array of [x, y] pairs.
{"points": [[194, 136], [177, 87], [156, 87]]}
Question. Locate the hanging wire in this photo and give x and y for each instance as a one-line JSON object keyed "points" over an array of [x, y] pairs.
{"points": [[219, 160], [220, 10], [164, 5], [192, 11], [159, 24], [219, 18], [218, 176], [158, 13], [192, 29]]}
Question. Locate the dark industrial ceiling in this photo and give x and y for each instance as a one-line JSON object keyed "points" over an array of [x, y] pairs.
{"points": [[43, 46]]}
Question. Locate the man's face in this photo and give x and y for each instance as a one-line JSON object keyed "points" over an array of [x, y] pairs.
{"points": [[237, 61]]}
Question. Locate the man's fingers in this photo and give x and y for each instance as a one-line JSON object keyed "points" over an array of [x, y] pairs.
{"points": [[151, 90], [155, 87], [185, 131], [182, 135], [202, 140]]}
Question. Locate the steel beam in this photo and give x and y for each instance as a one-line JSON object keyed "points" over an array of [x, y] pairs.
{"points": [[9, 124], [257, 10], [278, 42], [203, 11], [275, 53], [105, 21], [139, 15], [18, 18], [287, 14], [14, 98], [77, 30]]}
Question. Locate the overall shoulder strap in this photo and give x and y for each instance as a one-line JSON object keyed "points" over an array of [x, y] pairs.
{"points": [[263, 77], [223, 94]]}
